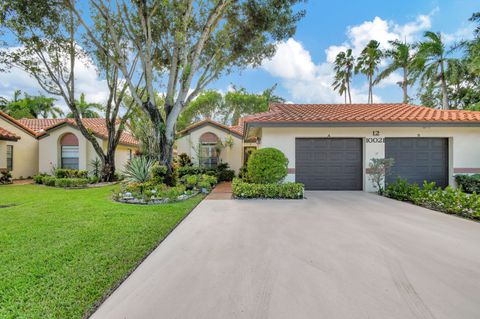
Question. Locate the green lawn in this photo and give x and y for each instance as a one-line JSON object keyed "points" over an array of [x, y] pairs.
{"points": [[62, 251]]}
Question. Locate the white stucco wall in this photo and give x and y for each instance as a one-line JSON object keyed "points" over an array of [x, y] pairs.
{"points": [[464, 143], [25, 152], [233, 156], [49, 151]]}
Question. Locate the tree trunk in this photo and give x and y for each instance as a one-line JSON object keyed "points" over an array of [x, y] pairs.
{"points": [[370, 90], [405, 85], [349, 93], [166, 156], [108, 168], [444, 88]]}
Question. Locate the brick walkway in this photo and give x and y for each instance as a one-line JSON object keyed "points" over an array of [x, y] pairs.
{"points": [[221, 191]]}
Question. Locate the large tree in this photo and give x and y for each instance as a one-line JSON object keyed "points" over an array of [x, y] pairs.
{"points": [[49, 50], [401, 57], [184, 45], [368, 62], [344, 67], [431, 62]]}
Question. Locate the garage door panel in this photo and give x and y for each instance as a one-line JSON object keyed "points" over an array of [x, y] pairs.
{"points": [[418, 159], [329, 163]]}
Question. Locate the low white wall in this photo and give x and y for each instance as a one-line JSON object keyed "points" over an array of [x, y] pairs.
{"points": [[464, 143]]}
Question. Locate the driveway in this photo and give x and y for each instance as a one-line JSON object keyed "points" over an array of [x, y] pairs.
{"points": [[333, 255]]}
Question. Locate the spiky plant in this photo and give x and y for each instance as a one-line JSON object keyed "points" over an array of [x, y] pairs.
{"points": [[138, 170]]}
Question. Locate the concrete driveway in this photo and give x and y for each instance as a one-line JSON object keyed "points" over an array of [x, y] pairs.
{"points": [[333, 255]]}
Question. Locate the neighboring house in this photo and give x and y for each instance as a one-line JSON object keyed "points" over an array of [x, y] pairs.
{"points": [[209, 143], [329, 146], [38, 145]]}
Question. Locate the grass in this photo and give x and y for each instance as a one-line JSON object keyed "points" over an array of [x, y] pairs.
{"points": [[63, 251]]}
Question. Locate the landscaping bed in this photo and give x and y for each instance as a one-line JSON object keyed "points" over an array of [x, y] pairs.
{"points": [[263, 177], [64, 251], [448, 200]]}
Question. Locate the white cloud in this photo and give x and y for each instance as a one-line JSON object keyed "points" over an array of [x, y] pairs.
{"points": [[465, 33], [311, 82], [291, 61]]}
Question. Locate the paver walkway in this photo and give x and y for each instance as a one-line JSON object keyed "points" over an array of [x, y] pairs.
{"points": [[222, 191]]}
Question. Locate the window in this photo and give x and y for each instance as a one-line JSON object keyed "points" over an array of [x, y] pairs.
{"points": [[208, 156], [9, 157], [69, 152]]}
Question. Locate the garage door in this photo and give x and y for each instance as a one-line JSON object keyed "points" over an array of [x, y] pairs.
{"points": [[418, 159], [329, 163]]}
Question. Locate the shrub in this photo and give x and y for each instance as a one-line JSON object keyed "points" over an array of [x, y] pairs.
{"points": [[70, 173], [71, 182], [267, 165], [5, 177], [224, 173], [209, 179], [469, 183], [242, 189], [38, 179], [138, 169], [49, 180], [184, 160], [448, 200], [190, 170], [158, 173], [96, 165], [191, 181]]}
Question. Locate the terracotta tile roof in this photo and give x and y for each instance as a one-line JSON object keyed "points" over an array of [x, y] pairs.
{"points": [[291, 113], [96, 125], [237, 129], [7, 135], [18, 124]]}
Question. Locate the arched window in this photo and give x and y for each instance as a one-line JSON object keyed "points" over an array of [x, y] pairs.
{"points": [[208, 150], [69, 151]]}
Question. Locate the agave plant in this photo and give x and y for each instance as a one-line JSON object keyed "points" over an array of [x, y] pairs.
{"points": [[138, 169]]}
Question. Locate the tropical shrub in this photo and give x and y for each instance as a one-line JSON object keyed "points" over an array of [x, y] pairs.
{"points": [[242, 189], [448, 200], [190, 170], [469, 183], [158, 173], [38, 179], [266, 166], [96, 165], [139, 169], [49, 180], [184, 160]]}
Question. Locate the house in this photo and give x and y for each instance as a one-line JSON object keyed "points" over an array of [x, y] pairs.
{"points": [[329, 146], [208, 143], [32, 146]]}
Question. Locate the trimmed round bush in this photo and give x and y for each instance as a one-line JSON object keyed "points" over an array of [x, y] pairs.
{"points": [[266, 166]]}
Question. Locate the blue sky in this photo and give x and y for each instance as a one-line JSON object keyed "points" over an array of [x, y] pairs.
{"points": [[302, 65]]}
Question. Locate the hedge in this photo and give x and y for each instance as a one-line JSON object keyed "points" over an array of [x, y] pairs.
{"points": [[469, 183], [61, 182], [448, 200], [70, 173], [243, 189]]}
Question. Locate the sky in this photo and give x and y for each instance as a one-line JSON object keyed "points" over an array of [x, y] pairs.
{"points": [[302, 66]]}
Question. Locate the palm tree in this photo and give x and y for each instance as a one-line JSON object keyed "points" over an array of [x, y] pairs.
{"points": [[30, 106], [367, 63], [430, 62], [344, 66], [86, 110], [401, 56]]}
